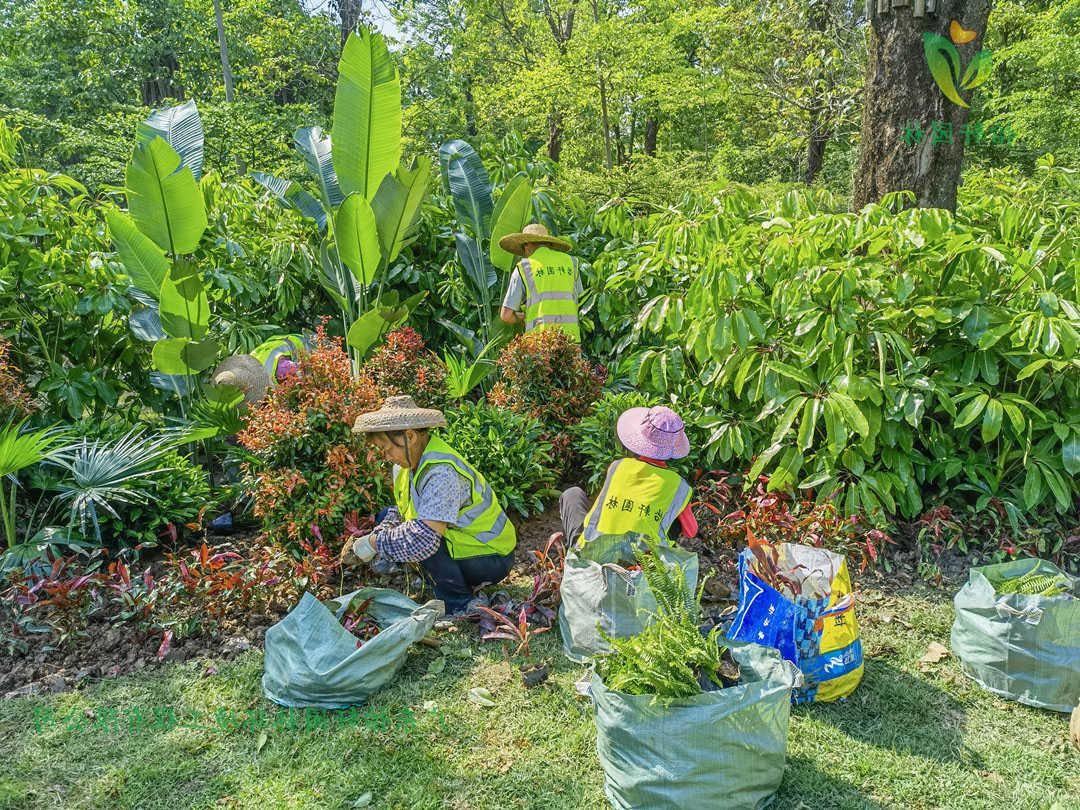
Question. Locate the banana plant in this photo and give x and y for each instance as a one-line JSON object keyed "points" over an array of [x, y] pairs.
{"points": [[156, 237], [483, 223], [367, 201]]}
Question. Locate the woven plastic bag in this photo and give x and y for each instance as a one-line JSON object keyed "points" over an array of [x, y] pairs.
{"points": [[726, 748], [311, 660], [817, 632], [1026, 648], [597, 591]]}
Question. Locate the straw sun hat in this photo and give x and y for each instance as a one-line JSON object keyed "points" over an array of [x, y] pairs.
{"points": [[532, 234], [398, 413], [246, 373]]}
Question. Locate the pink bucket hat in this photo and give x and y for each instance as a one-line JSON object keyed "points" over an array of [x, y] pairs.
{"points": [[653, 432]]}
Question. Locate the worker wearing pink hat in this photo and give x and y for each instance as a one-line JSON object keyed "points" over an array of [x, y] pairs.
{"points": [[641, 494]]}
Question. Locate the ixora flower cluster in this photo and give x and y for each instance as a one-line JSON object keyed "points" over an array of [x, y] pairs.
{"points": [[310, 475]]}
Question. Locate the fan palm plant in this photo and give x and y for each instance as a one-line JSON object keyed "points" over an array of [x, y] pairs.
{"points": [[19, 449], [101, 473]]}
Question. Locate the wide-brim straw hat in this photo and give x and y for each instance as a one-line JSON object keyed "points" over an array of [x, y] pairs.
{"points": [[398, 413], [532, 234], [656, 433], [246, 373]]}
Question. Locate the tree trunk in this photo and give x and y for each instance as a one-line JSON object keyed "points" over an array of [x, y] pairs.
{"points": [[555, 133], [652, 127], [224, 48], [900, 92], [349, 15], [817, 136], [470, 110]]}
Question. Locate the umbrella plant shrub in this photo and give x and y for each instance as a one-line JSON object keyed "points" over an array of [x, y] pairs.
{"points": [[308, 472], [886, 359], [510, 451]]}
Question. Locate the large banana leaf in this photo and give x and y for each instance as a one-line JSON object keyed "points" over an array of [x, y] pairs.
{"points": [[316, 149], [338, 282], [290, 195], [367, 115], [358, 238], [180, 356], [512, 212], [480, 275], [397, 206], [145, 324], [164, 199], [185, 309], [143, 260], [182, 129], [467, 180]]}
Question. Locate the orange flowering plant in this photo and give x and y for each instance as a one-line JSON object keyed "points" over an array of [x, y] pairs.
{"points": [[310, 471], [402, 365]]}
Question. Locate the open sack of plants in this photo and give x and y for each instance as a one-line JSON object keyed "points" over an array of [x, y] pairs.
{"points": [[600, 591], [1017, 632], [798, 599], [312, 660], [724, 748]]}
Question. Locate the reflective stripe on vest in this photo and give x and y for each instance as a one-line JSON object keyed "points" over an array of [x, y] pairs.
{"points": [[482, 526], [637, 497], [273, 351], [549, 291]]}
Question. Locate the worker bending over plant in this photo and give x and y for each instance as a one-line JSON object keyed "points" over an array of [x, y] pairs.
{"points": [[639, 494], [268, 364], [546, 280], [447, 518]]}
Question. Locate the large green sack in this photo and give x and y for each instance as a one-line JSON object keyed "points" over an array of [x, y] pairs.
{"points": [[311, 660], [726, 748], [597, 591], [1026, 648]]}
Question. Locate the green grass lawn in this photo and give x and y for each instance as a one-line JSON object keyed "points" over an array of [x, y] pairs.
{"points": [[907, 738]]}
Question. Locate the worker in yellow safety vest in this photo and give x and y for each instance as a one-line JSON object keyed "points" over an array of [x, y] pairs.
{"points": [[268, 364], [640, 494], [545, 286], [447, 518]]}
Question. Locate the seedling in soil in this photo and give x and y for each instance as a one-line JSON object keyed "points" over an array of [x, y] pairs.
{"points": [[509, 630]]}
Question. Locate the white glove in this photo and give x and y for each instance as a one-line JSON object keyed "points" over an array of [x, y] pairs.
{"points": [[364, 548]]}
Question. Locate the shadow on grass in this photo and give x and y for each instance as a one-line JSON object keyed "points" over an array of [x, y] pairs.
{"points": [[895, 710], [807, 786]]}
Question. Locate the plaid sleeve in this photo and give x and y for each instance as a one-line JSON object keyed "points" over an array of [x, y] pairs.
{"points": [[411, 541]]}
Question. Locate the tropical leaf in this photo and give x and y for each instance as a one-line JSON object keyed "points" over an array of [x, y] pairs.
{"points": [[397, 206], [978, 71], [944, 62], [480, 274], [180, 356], [316, 149], [367, 115], [19, 449], [143, 260], [358, 238], [180, 127], [185, 309], [467, 181], [290, 195], [512, 212], [366, 331], [146, 325], [163, 198]]}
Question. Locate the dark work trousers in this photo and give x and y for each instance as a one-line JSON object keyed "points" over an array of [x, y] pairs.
{"points": [[455, 580], [574, 505]]}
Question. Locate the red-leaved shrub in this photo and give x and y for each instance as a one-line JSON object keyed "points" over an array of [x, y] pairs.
{"points": [[14, 398], [311, 471], [403, 366]]}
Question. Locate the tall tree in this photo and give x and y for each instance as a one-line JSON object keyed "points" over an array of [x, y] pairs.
{"points": [[902, 95], [224, 48]]}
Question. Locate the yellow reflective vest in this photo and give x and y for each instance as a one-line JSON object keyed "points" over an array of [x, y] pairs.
{"points": [[280, 347], [482, 526], [637, 497], [550, 300]]}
